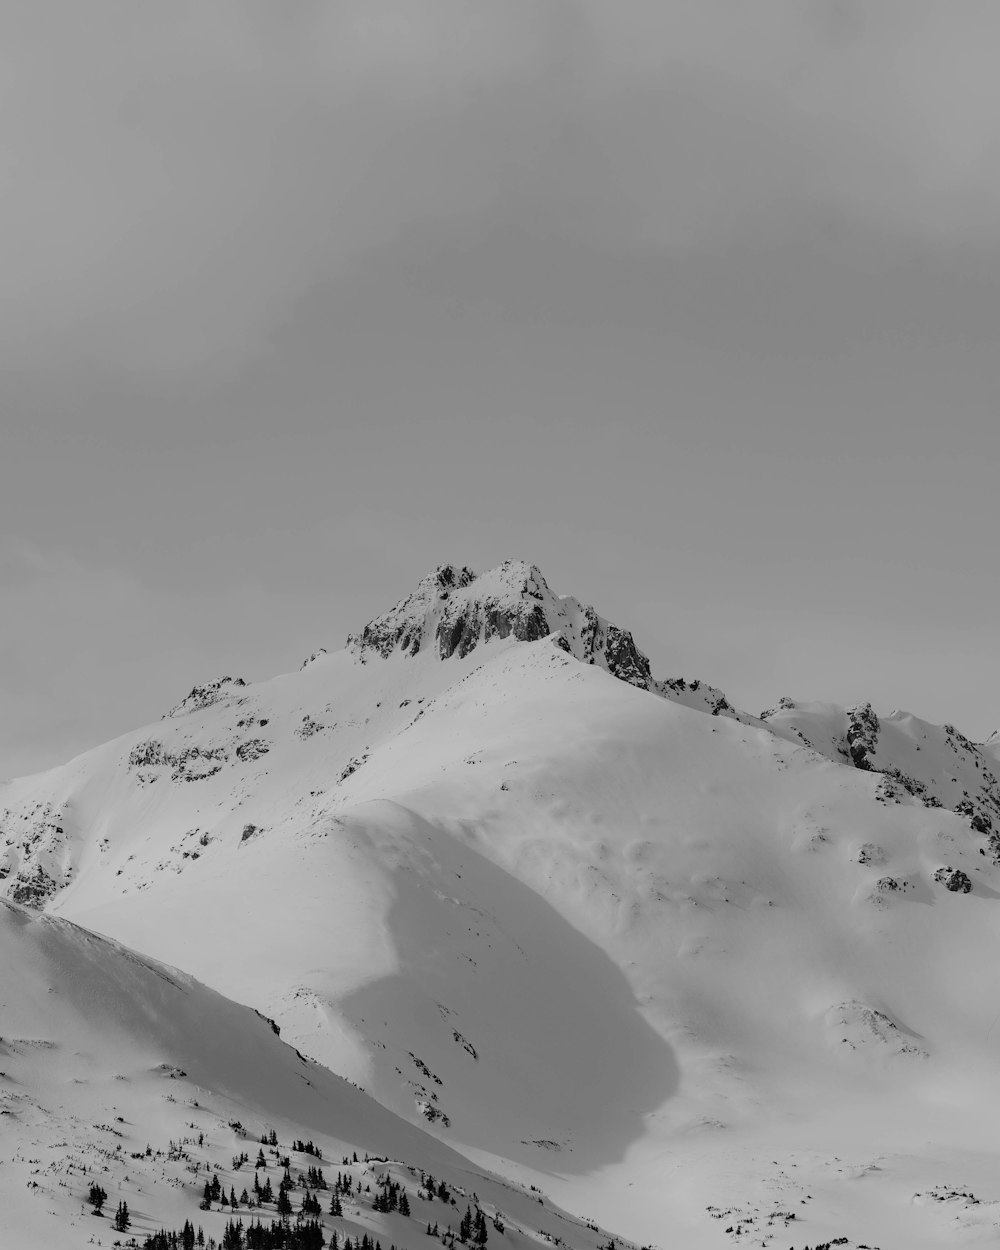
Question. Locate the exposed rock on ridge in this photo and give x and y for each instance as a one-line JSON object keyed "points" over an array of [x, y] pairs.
{"points": [[204, 696], [454, 610], [862, 735], [934, 765]]}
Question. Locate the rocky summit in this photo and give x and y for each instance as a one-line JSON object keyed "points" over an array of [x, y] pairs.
{"points": [[454, 610]]}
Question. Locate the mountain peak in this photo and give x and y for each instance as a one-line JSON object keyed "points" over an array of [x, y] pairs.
{"points": [[454, 610]]}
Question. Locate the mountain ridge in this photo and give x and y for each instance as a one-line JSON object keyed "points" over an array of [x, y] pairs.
{"points": [[491, 872], [456, 610], [453, 613]]}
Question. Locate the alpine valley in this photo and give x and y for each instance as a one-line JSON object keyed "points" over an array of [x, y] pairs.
{"points": [[534, 947]]}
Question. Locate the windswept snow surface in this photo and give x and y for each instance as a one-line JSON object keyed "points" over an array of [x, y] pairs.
{"points": [[693, 971], [124, 1073]]}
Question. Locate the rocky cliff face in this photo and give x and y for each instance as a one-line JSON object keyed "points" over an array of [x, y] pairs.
{"points": [[453, 611], [862, 735]]}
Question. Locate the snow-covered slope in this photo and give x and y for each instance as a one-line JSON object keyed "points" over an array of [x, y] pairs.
{"points": [[125, 1074], [580, 922]]}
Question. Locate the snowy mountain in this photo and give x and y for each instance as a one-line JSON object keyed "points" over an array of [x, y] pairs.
{"points": [[704, 977]]}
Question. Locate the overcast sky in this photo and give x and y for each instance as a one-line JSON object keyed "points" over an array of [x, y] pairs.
{"points": [[695, 305]]}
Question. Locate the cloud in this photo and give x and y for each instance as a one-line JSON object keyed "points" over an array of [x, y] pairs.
{"points": [[174, 179]]}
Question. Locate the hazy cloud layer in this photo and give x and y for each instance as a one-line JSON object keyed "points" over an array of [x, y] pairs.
{"points": [[175, 177], [693, 303]]}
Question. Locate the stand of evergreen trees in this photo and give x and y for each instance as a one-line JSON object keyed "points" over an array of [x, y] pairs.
{"points": [[391, 1197], [472, 1229], [435, 1189], [302, 1229], [186, 1239], [258, 1236]]}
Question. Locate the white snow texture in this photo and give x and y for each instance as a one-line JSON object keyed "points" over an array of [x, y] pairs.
{"points": [[595, 948]]}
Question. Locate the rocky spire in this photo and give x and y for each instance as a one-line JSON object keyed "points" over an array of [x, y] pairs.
{"points": [[453, 610]]}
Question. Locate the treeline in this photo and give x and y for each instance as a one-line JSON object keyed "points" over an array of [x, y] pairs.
{"points": [[258, 1236]]}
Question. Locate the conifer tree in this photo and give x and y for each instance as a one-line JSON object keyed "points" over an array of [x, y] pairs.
{"points": [[123, 1220], [232, 1238]]}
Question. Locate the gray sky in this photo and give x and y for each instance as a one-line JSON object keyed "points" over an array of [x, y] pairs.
{"points": [[695, 305]]}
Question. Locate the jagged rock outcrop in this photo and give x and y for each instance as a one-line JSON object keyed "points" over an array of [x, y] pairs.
{"points": [[453, 611], [34, 854], [33, 887], [784, 704], [207, 694], [623, 657], [405, 627], [700, 695], [862, 735], [953, 879]]}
